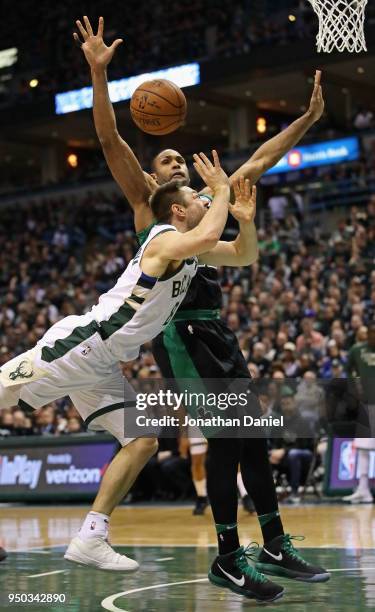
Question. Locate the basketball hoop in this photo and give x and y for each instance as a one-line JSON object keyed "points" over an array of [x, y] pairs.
{"points": [[341, 25]]}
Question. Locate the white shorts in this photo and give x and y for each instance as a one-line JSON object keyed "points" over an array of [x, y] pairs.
{"points": [[87, 373], [198, 446]]}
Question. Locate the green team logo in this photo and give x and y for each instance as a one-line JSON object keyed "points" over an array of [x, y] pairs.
{"points": [[24, 370]]}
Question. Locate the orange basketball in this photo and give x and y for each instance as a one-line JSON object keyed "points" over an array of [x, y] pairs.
{"points": [[158, 107]]}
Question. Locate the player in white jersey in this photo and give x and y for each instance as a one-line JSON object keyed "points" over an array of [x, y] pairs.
{"points": [[79, 355]]}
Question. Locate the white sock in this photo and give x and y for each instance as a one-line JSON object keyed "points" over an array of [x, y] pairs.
{"points": [[363, 465], [240, 485], [201, 487], [95, 525]]}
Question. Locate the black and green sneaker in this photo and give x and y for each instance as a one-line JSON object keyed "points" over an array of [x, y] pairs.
{"points": [[280, 558], [233, 572]]}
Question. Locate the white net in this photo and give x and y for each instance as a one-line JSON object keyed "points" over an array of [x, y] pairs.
{"points": [[341, 25]]}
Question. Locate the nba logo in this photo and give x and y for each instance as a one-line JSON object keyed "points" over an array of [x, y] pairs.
{"points": [[347, 461]]}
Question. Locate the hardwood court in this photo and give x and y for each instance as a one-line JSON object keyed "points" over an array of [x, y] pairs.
{"points": [[175, 550]]}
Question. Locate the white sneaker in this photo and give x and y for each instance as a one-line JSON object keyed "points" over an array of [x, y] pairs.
{"points": [[98, 553], [359, 498]]}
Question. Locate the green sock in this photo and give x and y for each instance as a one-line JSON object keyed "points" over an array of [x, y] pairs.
{"points": [[270, 525]]}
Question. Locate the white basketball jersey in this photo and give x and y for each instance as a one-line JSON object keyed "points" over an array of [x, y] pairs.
{"points": [[139, 306]]}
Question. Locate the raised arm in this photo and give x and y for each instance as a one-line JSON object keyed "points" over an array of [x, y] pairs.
{"points": [[243, 251], [175, 246], [274, 149], [135, 184]]}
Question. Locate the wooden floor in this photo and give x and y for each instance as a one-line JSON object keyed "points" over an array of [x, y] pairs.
{"points": [[323, 525], [175, 550]]}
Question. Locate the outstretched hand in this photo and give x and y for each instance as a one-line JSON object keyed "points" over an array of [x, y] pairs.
{"points": [[316, 107], [245, 204], [97, 53], [212, 173]]}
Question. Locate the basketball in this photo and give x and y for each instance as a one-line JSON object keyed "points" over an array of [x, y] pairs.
{"points": [[158, 107]]}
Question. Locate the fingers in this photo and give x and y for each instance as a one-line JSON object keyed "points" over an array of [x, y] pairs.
{"points": [[254, 193], [77, 40], [248, 190], [200, 170], [318, 75], [100, 27], [116, 43], [216, 158], [242, 189], [199, 165], [82, 30], [207, 162], [237, 190], [88, 26], [198, 162]]}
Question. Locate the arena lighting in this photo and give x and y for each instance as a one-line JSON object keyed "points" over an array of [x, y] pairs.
{"points": [[8, 57], [34, 83], [72, 160], [122, 89], [261, 125]]}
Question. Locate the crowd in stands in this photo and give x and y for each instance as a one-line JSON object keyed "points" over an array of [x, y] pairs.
{"points": [[296, 312]]}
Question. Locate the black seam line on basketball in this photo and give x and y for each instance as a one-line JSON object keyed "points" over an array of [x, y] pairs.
{"points": [[166, 127], [106, 409], [159, 129], [142, 112], [177, 90], [154, 93]]}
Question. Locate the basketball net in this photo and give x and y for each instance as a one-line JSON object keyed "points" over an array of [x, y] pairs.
{"points": [[341, 25]]}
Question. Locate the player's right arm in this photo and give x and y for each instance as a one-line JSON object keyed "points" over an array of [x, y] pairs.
{"points": [[135, 184], [172, 246]]}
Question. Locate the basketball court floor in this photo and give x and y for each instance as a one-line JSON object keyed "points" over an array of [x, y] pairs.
{"points": [[175, 549]]}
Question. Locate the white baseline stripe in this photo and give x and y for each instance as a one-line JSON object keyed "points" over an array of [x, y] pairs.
{"points": [[36, 548], [108, 604], [352, 569], [47, 573], [165, 559]]}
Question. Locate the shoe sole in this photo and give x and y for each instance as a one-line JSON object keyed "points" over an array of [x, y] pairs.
{"points": [[221, 582], [91, 563], [275, 570]]}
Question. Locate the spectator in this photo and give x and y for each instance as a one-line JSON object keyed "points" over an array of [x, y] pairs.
{"points": [[294, 451], [45, 421], [363, 119]]}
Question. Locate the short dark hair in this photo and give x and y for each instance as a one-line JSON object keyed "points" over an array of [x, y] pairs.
{"points": [[163, 198]]}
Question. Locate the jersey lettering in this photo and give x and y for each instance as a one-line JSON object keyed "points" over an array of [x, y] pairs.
{"points": [[180, 286]]}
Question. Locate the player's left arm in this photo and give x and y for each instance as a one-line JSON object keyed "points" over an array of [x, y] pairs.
{"points": [[243, 251], [274, 149]]}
